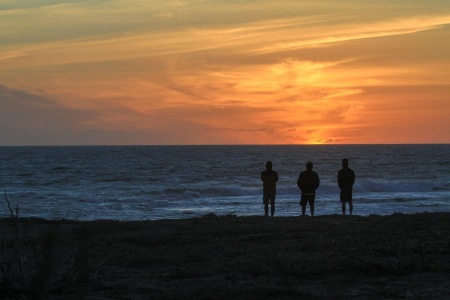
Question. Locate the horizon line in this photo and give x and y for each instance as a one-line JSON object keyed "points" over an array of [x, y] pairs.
{"points": [[209, 145]]}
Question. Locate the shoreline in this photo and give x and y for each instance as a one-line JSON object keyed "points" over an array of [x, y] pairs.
{"points": [[6, 218], [252, 257]]}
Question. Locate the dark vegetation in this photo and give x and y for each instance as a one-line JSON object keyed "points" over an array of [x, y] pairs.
{"points": [[398, 256]]}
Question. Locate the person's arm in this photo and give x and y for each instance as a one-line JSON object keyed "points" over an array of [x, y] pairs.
{"points": [[317, 181], [276, 177], [339, 179], [299, 183]]}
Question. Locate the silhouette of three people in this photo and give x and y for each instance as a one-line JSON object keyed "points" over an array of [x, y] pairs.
{"points": [[308, 182]]}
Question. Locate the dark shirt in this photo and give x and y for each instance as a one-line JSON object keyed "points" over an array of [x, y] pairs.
{"points": [[269, 179], [308, 182], [346, 178]]}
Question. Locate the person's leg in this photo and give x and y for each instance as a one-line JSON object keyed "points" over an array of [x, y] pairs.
{"points": [[350, 201], [266, 203], [303, 203], [272, 205], [311, 204], [342, 198]]}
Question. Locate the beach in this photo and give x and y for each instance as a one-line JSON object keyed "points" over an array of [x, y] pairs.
{"points": [[403, 256]]}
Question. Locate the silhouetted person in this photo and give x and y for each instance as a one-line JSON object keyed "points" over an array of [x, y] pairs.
{"points": [[308, 182], [346, 179], [269, 178]]}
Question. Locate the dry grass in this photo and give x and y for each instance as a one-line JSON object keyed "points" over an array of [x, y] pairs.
{"points": [[404, 256]]}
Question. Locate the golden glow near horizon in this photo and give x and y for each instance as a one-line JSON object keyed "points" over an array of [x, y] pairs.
{"points": [[224, 72]]}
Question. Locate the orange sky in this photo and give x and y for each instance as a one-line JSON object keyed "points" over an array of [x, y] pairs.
{"points": [[224, 72]]}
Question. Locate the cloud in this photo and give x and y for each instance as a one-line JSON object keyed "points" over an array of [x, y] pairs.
{"points": [[24, 110], [260, 37], [230, 71], [33, 119], [28, 119], [347, 32]]}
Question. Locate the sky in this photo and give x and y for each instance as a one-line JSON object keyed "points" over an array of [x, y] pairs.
{"points": [[134, 72]]}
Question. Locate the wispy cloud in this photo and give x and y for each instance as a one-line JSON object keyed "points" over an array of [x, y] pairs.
{"points": [[262, 37], [230, 71]]}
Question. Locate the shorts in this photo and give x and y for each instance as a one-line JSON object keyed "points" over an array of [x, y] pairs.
{"points": [[269, 198], [307, 198], [346, 195]]}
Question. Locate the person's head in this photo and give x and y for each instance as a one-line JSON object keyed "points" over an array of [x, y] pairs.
{"points": [[345, 163], [309, 165], [269, 165]]}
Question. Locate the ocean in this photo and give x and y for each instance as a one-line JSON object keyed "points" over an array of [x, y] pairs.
{"points": [[172, 182]]}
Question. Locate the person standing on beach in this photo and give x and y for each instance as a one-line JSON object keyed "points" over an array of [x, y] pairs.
{"points": [[308, 182], [269, 178], [346, 179]]}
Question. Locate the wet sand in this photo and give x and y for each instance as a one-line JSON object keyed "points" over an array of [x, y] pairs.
{"points": [[397, 256]]}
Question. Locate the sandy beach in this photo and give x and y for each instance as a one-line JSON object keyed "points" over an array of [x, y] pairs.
{"points": [[376, 257]]}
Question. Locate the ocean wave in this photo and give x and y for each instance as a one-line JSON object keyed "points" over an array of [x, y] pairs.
{"points": [[429, 205], [367, 187], [60, 168], [124, 178], [206, 192], [393, 187], [372, 187], [25, 174]]}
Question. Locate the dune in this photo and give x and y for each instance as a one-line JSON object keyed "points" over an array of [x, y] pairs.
{"points": [[376, 257]]}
